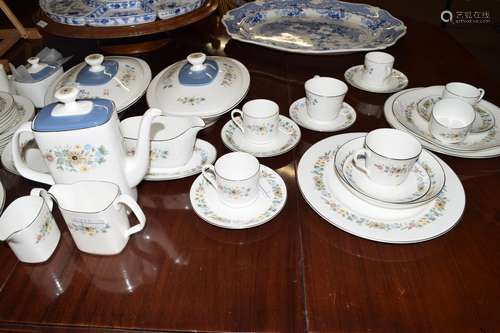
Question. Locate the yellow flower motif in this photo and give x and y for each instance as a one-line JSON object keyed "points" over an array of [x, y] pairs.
{"points": [[76, 158], [84, 168]]}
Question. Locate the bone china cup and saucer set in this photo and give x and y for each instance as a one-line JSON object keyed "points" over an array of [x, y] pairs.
{"points": [[384, 185]]}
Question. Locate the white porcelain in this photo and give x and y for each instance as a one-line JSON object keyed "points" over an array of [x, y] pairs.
{"points": [[483, 122], [428, 143], [387, 156], [451, 120], [395, 82], [235, 177], [377, 68], [425, 180], [258, 120], [29, 229], [125, 85], [2, 197], [172, 139], [204, 153], [324, 97], [88, 152], [324, 192], [23, 111], [4, 80], [30, 153], [43, 76], [270, 201], [288, 137], [298, 113], [463, 91], [220, 84], [96, 215], [404, 108]]}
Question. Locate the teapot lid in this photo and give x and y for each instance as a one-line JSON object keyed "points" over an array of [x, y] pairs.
{"points": [[71, 114], [199, 86], [120, 79]]}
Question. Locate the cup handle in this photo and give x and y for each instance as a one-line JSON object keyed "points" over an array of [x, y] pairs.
{"points": [[129, 202], [233, 118], [357, 163], [205, 170], [46, 196], [481, 94], [388, 71]]}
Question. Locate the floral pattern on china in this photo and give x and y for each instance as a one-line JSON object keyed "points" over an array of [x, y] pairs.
{"points": [[77, 158], [45, 228], [314, 26]]}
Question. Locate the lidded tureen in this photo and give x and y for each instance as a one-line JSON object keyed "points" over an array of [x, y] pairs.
{"points": [[201, 86], [120, 79]]}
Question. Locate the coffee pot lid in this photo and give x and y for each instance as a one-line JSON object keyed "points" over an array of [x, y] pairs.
{"points": [[69, 114], [199, 86], [120, 79]]}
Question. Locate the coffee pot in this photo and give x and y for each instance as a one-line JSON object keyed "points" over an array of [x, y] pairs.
{"points": [[82, 140]]}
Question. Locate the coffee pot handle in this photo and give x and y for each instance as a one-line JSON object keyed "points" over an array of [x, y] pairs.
{"points": [[21, 165], [357, 163], [129, 202]]}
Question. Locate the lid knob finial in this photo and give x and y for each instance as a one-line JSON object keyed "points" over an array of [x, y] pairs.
{"points": [[66, 94], [196, 60], [95, 61]]}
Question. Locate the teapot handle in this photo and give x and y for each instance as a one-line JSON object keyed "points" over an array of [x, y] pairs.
{"points": [[129, 202], [21, 165]]}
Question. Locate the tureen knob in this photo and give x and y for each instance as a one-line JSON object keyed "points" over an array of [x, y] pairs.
{"points": [[66, 94], [196, 60], [95, 62]]}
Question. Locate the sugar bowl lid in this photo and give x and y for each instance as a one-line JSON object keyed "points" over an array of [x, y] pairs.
{"points": [[199, 86], [120, 79], [39, 71]]}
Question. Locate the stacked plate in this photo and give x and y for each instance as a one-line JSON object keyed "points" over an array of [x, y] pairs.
{"points": [[410, 110], [14, 110], [426, 205]]}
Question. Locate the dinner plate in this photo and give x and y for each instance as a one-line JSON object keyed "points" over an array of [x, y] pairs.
{"points": [[314, 27], [391, 119], [324, 192]]}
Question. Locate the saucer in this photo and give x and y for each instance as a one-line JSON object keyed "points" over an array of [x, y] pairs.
{"points": [[324, 192], [424, 183], [396, 82], [203, 153], [270, 201], [483, 122], [288, 137], [298, 112], [29, 152]]}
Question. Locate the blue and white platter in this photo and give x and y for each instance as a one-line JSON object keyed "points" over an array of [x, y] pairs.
{"points": [[314, 26], [103, 13]]}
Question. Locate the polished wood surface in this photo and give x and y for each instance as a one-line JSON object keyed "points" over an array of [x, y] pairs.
{"points": [[296, 273]]}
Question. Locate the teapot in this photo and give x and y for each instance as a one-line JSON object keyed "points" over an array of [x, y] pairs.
{"points": [[81, 140]]}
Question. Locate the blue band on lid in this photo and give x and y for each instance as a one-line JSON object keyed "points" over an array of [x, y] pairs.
{"points": [[189, 77], [101, 112], [87, 78]]}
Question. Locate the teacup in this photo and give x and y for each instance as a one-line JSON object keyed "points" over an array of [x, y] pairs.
{"points": [[324, 97], [466, 92], [451, 120], [28, 227], [235, 177], [259, 120], [377, 68], [389, 155]]}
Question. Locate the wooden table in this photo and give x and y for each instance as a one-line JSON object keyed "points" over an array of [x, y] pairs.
{"points": [[296, 273]]}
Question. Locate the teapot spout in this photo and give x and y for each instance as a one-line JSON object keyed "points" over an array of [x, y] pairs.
{"points": [[137, 166]]}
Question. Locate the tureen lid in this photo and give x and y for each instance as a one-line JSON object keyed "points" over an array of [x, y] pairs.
{"points": [[120, 79], [199, 86], [70, 114], [39, 71]]}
